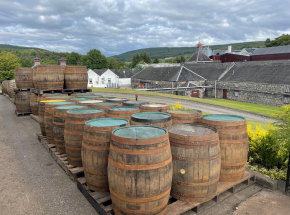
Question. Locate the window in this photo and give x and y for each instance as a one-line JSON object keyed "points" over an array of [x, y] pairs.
{"points": [[90, 81], [286, 101], [109, 80], [103, 80], [236, 93], [287, 89]]}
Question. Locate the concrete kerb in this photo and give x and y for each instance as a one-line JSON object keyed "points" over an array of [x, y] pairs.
{"points": [[264, 180]]}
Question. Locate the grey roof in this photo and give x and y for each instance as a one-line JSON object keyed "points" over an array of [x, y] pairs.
{"points": [[199, 55], [125, 73], [272, 50], [173, 74], [62, 58], [36, 58], [250, 50], [188, 84], [100, 71], [270, 72], [218, 52]]}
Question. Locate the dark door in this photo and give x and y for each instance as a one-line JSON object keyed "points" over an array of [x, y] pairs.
{"points": [[224, 93], [195, 93]]}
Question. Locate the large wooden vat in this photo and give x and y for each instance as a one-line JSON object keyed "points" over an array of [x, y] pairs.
{"points": [[24, 78], [152, 118], [104, 99], [135, 103], [95, 151], [106, 105], [91, 97], [22, 102], [234, 143], [41, 108], [122, 112], [140, 170], [185, 116], [73, 132], [34, 104], [48, 118], [154, 108], [49, 77], [118, 100], [75, 77], [11, 86], [88, 103], [59, 124], [196, 162]]}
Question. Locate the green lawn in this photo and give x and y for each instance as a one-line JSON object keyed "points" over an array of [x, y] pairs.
{"points": [[254, 108]]}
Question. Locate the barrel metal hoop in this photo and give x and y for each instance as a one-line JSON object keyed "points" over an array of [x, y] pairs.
{"points": [[139, 152], [196, 184], [245, 140], [72, 149], [95, 172]]}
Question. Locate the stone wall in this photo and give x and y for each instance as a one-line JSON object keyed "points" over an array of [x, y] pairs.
{"points": [[257, 93]]}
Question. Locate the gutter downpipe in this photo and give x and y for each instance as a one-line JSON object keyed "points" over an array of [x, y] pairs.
{"points": [[215, 89]]}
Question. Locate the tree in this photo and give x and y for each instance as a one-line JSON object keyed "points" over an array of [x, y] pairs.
{"points": [[113, 63], [182, 58], [8, 63], [120, 68], [283, 40], [156, 60], [48, 62], [95, 60], [73, 59], [26, 63]]}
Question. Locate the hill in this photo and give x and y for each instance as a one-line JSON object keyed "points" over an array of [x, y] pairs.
{"points": [[12, 47], [164, 52]]}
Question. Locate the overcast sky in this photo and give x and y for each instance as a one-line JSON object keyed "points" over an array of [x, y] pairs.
{"points": [[117, 26]]}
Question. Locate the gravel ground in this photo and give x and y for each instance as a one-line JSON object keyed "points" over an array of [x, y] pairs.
{"points": [[209, 108], [31, 181]]}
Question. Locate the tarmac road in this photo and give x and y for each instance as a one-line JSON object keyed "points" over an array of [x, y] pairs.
{"points": [[209, 108]]}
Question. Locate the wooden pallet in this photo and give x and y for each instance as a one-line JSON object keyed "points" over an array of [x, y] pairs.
{"points": [[16, 90], [103, 204], [21, 114], [35, 118], [73, 172], [66, 91]]}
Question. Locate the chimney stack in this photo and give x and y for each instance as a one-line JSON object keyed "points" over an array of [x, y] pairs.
{"points": [[36, 61], [229, 49], [62, 61]]}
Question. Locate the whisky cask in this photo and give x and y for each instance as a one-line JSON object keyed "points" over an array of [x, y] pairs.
{"points": [[135, 103], [196, 162], [91, 97], [152, 118], [24, 78], [140, 170], [73, 132], [22, 102], [76, 100], [104, 99], [154, 108], [118, 100], [11, 86], [75, 77], [106, 105], [185, 116], [49, 77], [88, 103], [34, 104], [122, 112], [59, 124], [234, 143]]}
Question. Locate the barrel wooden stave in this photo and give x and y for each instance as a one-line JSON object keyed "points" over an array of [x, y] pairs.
{"points": [[106, 105], [11, 86], [22, 101], [75, 77], [123, 112], [234, 143], [34, 104], [73, 134], [185, 116], [49, 77], [154, 108], [140, 174], [24, 78], [196, 167]]}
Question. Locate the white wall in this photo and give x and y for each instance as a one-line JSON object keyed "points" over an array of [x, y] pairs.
{"points": [[97, 81], [125, 82]]}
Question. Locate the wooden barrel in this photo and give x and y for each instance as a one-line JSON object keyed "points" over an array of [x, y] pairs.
{"points": [[140, 170], [76, 100], [234, 144], [75, 77], [73, 132], [76, 95], [154, 108], [34, 104], [11, 86], [122, 112], [185, 116], [135, 103], [22, 102], [4, 86], [24, 78], [106, 105], [152, 118], [67, 98], [95, 150], [41, 108], [49, 77], [91, 97], [52, 95], [48, 118], [118, 100], [59, 124], [104, 99], [88, 103], [196, 161]]}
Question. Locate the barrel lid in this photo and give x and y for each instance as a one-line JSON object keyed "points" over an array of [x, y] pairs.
{"points": [[184, 111], [138, 132], [45, 101], [191, 130], [59, 103], [91, 96], [151, 116], [108, 103], [223, 117], [70, 107], [123, 108], [107, 122], [58, 97], [91, 101], [119, 99], [136, 102], [106, 98], [85, 111], [155, 105], [77, 99]]}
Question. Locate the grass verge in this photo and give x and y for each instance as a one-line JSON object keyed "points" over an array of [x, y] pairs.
{"points": [[254, 108]]}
